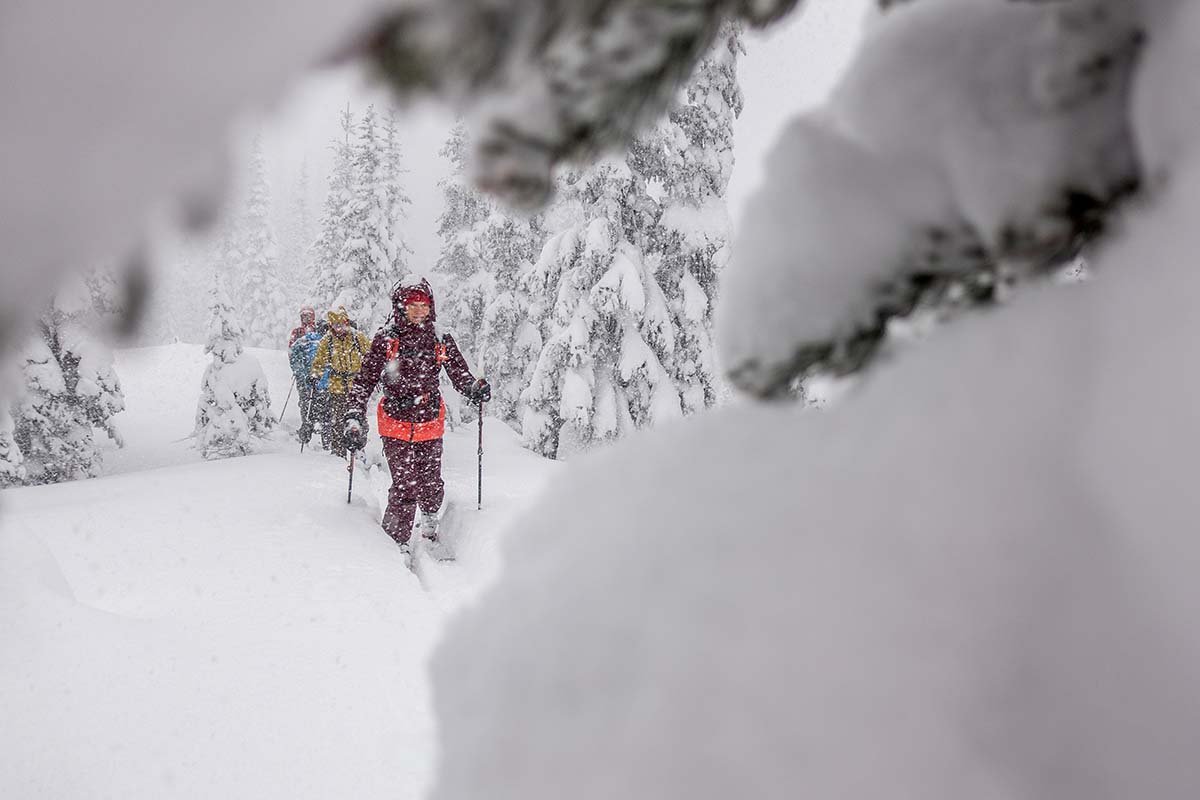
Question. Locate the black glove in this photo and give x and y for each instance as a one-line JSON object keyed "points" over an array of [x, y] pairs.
{"points": [[481, 392], [354, 430]]}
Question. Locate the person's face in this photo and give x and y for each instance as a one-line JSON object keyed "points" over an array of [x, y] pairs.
{"points": [[341, 328], [307, 319], [416, 313]]}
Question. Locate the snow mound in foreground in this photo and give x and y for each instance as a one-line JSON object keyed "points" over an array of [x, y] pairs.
{"points": [[976, 568], [975, 578]]}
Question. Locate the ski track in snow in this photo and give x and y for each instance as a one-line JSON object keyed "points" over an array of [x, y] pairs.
{"points": [[182, 628]]}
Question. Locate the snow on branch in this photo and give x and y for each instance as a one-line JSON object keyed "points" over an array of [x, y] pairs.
{"points": [[555, 80], [968, 139]]}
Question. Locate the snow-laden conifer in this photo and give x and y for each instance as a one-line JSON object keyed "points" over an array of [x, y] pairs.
{"points": [[599, 374], [325, 264], [470, 286], [68, 389], [690, 155], [263, 300], [12, 466], [508, 342], [372, 251], [632, 265], [234, 407], [397, 200], [295, 238]]}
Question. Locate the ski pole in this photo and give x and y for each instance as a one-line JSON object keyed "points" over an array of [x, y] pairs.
{"points": [[289, 397], [350, 489], [479, 499]]}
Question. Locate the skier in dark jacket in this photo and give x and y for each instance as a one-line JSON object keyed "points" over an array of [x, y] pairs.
{"points": [[313, 391], [407, 357]]}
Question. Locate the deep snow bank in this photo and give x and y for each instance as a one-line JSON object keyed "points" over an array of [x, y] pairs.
{"points": [[980, 561], [974, 578]]}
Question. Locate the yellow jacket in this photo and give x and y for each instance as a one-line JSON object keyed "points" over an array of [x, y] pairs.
{"points": [[343, 355]]}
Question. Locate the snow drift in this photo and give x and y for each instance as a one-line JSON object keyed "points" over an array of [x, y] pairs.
{"points": [[974, 578]]}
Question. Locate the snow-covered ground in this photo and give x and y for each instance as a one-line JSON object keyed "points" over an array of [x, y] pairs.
{"points": [[181, 628], [161, 387]]}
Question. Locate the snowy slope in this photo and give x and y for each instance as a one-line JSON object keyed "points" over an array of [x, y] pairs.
{"points": [[187, 634], [228, 628]]}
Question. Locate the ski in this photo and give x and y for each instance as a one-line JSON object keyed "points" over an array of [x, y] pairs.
{"points": [[445, 546]]}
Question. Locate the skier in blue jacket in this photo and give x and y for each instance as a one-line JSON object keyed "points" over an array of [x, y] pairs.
{"points": [[313, 392]]}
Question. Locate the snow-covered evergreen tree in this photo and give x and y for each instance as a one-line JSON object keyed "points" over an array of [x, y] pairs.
{"points": [[234, 407], [372, 252], [263, 300], [397, 200], [470, 286], [12, 463], [88, 361], [51, 434], [361, 251], [325, 266], [68, 389], [486, 262], [295, 239], [509, 342], [599, 374], [633, 268], [690, 155]]}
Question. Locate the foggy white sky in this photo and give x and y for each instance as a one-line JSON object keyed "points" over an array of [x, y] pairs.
{"points": [[785, 70]]}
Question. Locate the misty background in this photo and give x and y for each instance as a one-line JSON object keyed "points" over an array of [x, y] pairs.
{"points": [[787, 69]]}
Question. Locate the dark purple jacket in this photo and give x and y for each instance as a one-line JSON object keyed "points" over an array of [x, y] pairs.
{"points": [[410, 381]]}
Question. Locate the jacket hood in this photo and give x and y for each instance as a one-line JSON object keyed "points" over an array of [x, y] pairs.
{"points": [[406, 285]]}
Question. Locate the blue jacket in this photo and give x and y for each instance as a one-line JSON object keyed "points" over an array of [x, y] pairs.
{"points": [[301, 358]]}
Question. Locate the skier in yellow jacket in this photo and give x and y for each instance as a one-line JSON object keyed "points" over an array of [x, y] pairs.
{"points": [[340, 352]]}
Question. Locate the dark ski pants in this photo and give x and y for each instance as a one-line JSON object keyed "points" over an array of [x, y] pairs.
{"points": [[318, 412], [333, 431], [304, 393], [416, 480]]}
